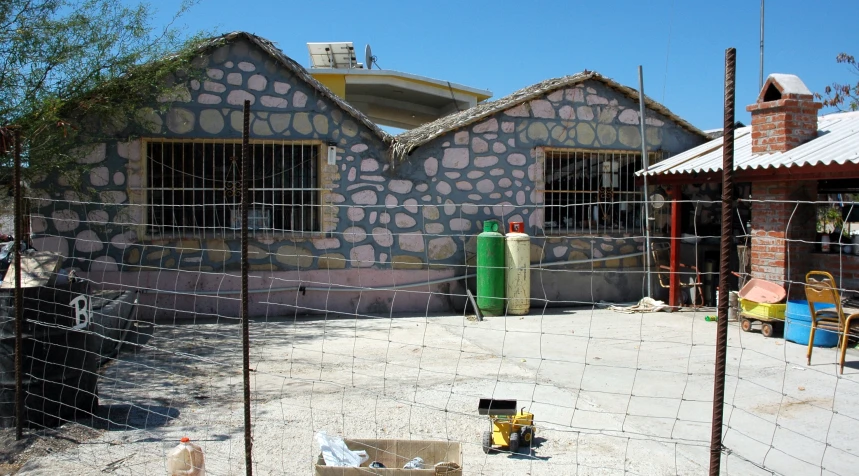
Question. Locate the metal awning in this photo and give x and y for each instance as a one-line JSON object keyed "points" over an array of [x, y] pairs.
{"points": [[837, 142]]}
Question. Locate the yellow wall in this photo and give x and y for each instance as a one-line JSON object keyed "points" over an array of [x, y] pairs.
{"points": [[335, 82]]}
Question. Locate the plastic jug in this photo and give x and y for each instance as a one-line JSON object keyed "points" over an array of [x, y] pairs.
{"points": [[186, 459]]}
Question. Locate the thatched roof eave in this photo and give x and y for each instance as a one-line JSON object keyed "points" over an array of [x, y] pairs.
{"points": [[406, 142]]}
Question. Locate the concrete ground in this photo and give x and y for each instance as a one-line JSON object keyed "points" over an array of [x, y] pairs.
{"points": [[613, 393]]}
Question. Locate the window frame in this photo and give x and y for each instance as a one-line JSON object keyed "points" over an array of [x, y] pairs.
{"points": [[543, 155], [321, 189]]}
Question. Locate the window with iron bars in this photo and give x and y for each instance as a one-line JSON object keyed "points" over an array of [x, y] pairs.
{"points": [[592, 191], [193, 187]]}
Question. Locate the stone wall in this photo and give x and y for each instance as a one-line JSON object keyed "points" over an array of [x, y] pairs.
{"points": [[99, 224], [494, 170], [422, 213]]}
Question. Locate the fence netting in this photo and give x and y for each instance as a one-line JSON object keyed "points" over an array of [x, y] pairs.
{"points": [[368, 333]]}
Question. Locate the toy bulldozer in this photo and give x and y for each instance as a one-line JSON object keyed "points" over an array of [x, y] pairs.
{"points": [[509, 428]]}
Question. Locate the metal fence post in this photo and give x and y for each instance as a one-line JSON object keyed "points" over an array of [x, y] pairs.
{"points": [[724, 262], [246, 358], [19, 294]]}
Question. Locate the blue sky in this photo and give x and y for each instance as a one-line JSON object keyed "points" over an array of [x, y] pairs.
{"points": [[504, 45]]}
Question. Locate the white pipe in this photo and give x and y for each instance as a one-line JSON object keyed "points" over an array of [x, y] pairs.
{"points": [[645, 160]]}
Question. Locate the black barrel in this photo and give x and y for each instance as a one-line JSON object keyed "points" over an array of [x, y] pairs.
{"points": [[61, 356]]}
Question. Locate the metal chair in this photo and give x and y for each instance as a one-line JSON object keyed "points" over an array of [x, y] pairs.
{"points": [[820, 289], [663, 273]]}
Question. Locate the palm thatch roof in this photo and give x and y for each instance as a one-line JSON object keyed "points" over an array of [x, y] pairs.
{"points": [[405, 143], [301, 73]]}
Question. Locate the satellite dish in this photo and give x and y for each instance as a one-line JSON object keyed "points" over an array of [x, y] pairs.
{"points": [[368, 57], [657, 201]]}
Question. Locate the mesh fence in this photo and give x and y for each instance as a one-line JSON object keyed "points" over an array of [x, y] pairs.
{"points": [[788, 406], [133, 343]]}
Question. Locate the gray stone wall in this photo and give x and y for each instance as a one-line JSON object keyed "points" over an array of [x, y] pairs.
{"points": [[493, 170], [98, 221]]}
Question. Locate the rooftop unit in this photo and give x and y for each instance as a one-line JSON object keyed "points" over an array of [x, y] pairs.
{"points": [[389, 98]]}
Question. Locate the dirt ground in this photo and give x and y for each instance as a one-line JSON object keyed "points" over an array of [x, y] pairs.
{"points": [[612, 393]]}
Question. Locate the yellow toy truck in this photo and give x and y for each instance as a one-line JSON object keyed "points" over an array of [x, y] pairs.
{"points": [[509, 428]]}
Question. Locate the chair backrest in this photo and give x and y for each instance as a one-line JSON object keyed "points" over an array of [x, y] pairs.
{"points": [[744, 255], [661, 262], [820, 289]]}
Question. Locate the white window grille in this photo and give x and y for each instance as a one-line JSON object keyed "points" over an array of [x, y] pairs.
{"points": [[592, 191], [193, 187]]}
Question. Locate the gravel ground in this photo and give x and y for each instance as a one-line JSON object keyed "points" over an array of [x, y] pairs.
{"points": [[612, 393]]}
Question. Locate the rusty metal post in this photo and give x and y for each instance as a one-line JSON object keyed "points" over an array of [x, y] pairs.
{"points": [[19, 294], [246, 344], [724, 262]]}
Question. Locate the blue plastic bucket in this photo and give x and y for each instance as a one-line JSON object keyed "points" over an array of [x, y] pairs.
{"points": [[797, 325]]}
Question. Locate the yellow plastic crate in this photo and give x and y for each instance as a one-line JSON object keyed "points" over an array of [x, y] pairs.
{"points": [[763, 310]]}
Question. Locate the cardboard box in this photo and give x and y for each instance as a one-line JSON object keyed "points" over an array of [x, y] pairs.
{"points": [[394, 454]]}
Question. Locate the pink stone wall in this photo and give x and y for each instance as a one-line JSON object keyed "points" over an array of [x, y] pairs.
{"points": [[167, 294]]}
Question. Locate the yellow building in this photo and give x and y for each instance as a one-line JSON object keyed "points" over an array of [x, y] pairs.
{"points": [[387, 97]]}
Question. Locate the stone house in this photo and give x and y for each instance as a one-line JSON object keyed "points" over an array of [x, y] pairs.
{"points": [[559, 156], [346, 218]]}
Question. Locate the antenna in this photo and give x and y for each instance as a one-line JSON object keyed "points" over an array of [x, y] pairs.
{"points": [[761, 79], [368, 57]]}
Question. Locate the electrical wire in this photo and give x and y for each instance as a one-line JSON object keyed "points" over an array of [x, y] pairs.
{"points": [[668, 50]]}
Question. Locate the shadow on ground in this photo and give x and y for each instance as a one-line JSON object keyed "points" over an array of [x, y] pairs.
{"points": [[123, 417], [527, 452]]}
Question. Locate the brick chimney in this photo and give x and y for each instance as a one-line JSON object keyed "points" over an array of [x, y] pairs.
{"points": [[784, 116]]}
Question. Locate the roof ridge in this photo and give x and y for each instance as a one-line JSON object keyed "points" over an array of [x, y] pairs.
{"points": [[406, 142]]}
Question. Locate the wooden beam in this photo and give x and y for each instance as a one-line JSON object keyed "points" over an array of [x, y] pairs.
{"points": [[831, 171], [674, 279]]}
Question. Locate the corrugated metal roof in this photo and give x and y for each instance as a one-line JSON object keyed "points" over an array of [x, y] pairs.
{"points": [[837, 142]]}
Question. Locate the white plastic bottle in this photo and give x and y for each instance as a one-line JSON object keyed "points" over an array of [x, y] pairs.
{"points": [[186, 459]]}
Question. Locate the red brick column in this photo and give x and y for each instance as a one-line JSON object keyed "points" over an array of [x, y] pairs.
{"points": [[783, 232]]}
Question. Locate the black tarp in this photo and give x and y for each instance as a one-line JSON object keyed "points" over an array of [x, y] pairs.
{"points": [[61, 356]]}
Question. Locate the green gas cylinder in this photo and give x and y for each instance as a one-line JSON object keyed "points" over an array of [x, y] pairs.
{"points": [[490, 270]]}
